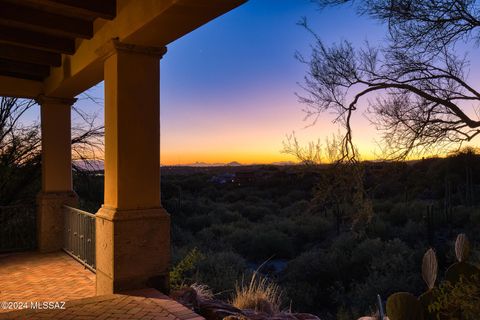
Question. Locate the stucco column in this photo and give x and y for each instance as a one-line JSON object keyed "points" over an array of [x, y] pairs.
{"points": [[56, 171], [132, 228]]}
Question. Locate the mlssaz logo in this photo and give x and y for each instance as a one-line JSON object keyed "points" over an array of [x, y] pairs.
{"points": [[48, 305]]}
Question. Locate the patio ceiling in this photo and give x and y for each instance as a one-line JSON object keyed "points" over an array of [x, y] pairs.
{"points": [[51, 47], [35, 33]]}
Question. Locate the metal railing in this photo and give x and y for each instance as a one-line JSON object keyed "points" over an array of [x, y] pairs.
{"points": [[17, 228], [79, 237]]}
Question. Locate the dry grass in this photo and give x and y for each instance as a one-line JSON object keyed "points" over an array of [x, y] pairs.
{"points": [[260, 294], [203, 291]]}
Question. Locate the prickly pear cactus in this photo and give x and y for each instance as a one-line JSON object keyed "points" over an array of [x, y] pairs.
{"points": [[429, 268], [404, 306], [429, 275], [462, 247], [460, 269]]}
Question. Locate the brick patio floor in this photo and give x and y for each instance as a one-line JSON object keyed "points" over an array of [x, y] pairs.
{"points": [[56, 277], [147, 304], [34, 276]]}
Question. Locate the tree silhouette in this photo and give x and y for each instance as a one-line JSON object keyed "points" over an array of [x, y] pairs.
{"points": [[20, 149], [422, 100]]}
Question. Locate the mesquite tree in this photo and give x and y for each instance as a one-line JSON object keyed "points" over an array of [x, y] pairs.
{"points": [[416, 83], [20, 148]]}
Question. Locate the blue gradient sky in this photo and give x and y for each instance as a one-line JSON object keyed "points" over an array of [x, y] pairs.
{"points": [[228, 88]]}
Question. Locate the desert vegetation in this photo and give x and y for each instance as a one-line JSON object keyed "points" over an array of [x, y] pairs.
{"points": [[323, 264], [323, 260]]}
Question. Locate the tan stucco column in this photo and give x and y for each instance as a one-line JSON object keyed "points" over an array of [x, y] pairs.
{"points": [[132, 228], [56, 171]]}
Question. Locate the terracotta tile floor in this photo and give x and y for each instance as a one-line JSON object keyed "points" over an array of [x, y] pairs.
{"points": [[43, 277], [57, 277]]}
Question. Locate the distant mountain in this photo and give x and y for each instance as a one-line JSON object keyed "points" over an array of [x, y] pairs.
{"points": [[232, 164], [89, 165], [205, 164], [98, 165], [200, 164], [284, 163]]}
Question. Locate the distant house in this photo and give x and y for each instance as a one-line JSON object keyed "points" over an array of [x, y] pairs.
{"points": [[245, 177], [223, 178]]}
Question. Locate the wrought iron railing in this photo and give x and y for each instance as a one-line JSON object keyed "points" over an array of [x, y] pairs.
{"points": [[17, 228], [79, 237]]}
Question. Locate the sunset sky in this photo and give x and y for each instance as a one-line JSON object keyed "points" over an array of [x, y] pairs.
{"points": [[228, 88]]}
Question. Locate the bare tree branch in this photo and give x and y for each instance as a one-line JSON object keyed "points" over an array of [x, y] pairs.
{"points": [[421, 96]]}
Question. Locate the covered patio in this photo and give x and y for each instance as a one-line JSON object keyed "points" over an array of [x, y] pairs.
{"points": [[51, 51], [35, 278]]}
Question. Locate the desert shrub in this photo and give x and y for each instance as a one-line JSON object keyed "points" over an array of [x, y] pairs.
{"points": [[296, 208], [240, 240], [412, 232], [183, 273], [220, 271], [266, 243], [461, 216], [254, 198], [416, 210], [236, 195], [292, 197], [366, 251], [350, 272], [475, 216], [393, 268], [221, 214], [397, 216], [213, 238], [260, 243], [378, 228], [344, 314], [181, 236], [307, 280], [460, 300], [382, 206], [254, 213], [259, 294], [310, 277], [302, 230], [199, 222]]}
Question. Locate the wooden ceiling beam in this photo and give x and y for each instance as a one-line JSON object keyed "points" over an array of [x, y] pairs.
{"points": [[21, 88], [12, 14], [21, 54], [92, 9], [36, 40], [23, 70], [18, 75]]}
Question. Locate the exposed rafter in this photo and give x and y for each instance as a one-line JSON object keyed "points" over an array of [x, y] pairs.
{"points": [[36, 40], [28, 55], [54, 44], [23, 70], [91, 9], [17, 15]]}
